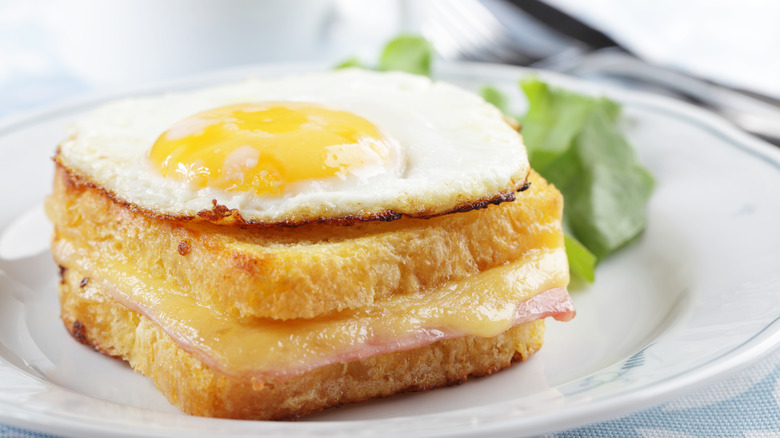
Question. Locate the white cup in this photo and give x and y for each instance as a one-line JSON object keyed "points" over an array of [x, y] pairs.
{"points": [[129, 41]]}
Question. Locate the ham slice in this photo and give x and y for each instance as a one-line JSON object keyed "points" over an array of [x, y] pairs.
{"points": [[485, 304]]}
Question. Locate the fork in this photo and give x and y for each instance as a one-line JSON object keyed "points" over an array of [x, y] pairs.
{"points": [[515, 32], [468, 30]]}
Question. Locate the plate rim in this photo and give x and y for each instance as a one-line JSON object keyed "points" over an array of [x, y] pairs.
{"points": [[758, 346]]}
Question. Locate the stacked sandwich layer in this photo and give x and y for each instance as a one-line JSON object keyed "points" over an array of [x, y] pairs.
{"points": [[256, 320], [148, 290]]}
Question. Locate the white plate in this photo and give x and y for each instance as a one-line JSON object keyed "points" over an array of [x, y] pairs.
{"points": [[696, 296]]}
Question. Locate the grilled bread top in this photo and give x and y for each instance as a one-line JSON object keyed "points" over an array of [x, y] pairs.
{"points": [[300, 272]]}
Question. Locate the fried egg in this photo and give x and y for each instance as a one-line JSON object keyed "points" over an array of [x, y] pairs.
{"points": [[341, 145]]}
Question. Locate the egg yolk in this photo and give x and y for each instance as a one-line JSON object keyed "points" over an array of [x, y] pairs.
{"points": [[262, 148]]}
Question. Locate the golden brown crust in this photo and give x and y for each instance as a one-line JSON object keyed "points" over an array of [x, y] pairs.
{"points": [[283, 273], [96, 320]]}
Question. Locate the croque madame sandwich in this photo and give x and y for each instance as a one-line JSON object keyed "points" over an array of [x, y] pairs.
{"points": [[272, 248]]}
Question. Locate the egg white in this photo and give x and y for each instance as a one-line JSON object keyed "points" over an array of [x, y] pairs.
{"points": [[453, 149]]}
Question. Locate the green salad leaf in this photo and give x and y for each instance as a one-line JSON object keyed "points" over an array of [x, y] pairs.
{"points": [[409, 53], [496, 97], [573, 141], [582, 263], [350, 62]]}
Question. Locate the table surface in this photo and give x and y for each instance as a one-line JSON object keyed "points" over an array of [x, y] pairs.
{"points": [[33, 74]]}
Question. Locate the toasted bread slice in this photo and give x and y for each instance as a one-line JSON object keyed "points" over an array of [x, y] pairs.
{"points": [[301, 272], [95, 319]]}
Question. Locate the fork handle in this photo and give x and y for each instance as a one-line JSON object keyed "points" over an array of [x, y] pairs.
{"points": [[748, 113]]}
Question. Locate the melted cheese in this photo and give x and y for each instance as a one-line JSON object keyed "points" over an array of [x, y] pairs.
{"points": [[485, 304]]}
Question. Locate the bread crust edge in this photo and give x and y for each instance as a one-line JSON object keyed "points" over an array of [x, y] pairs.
{"points": [[96, 320]]}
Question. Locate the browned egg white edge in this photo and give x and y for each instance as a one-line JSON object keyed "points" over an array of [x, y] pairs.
{"points": [[221, 215]]}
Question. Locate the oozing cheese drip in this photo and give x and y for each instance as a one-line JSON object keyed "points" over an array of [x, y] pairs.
{"points": [[485, 304], [265, 147]]}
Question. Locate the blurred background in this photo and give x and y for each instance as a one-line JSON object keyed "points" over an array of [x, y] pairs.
{"points": [[51, 50]]}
